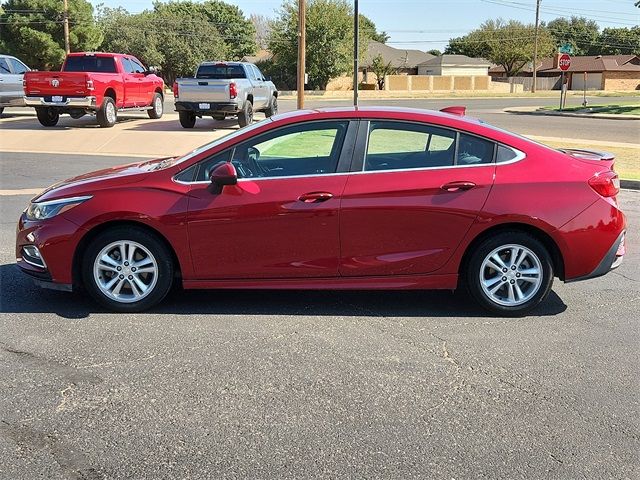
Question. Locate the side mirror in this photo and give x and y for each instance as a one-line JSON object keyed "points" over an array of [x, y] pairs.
{"points": [[151, 71], [223, 174]]}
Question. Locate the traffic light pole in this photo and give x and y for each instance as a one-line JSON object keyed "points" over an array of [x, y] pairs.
{"points": [[356, 35], [302, 40]]}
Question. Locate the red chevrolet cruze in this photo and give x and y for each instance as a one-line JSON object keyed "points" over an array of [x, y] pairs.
{"points": [[368, 198]]}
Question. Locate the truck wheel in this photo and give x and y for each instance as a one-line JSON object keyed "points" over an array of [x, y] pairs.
{"points": [[107, 115], [245, 117], [187, 119], [156, 111], [1, 110], [47, 116], [272, 109]]}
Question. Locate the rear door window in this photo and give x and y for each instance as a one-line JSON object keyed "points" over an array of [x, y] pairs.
{"points": [[90, 64], [400, 146], [17, 66], [4, 67]]}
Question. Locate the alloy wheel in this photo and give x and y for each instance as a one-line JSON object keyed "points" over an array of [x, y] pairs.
{"points": [[125, 271], [511, 275]]}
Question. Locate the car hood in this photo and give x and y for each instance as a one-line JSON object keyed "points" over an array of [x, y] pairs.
{"points": [[88, 183]]}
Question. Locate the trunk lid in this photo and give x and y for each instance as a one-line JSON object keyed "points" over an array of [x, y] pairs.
{"points": [[604, 159]]}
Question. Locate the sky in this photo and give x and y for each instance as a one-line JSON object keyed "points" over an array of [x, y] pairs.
{"points": [[428, 24]]}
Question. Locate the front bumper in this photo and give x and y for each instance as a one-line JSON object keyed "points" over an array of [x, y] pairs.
{"points": [[612, 260], [195, 107], [67, 102]]}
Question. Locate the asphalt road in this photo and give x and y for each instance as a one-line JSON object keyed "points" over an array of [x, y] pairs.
{"points": [[313, 384]]}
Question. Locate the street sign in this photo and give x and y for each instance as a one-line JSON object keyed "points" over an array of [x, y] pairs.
{"points": [[564, 62], [566, 48]]}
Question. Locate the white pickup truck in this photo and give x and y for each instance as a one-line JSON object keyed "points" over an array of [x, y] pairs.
{"points": [[222, 89]]}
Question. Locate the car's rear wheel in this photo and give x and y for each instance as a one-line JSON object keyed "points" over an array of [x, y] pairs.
{"points": [[127, 269], [187, 119], [47, 116], [157, 107], [107, 115], [510, 273], [1, 111], [245, 116]]}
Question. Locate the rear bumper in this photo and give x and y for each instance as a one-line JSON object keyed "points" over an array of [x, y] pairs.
{"points": [[8, 101], [68, 102], [612, 260], [216, 107]]}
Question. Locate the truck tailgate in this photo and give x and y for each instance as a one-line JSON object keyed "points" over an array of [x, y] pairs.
{"points": [[56, 83], [203, 90]]}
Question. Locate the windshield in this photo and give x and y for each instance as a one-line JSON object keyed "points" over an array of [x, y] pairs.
{"points": [[90, 64], [229, 136], [220, 72]]}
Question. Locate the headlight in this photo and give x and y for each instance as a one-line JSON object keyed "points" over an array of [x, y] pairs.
{"points": [[44, 210]]}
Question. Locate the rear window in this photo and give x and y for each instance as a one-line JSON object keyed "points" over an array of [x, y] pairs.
{"points": [[90, 64], [220, 72]]}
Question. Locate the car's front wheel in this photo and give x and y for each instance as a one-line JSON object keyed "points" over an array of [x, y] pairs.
{"points": [[157, 107], [510, 273], [127, 269]]}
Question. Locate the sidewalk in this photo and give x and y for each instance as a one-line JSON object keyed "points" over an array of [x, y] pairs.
{"points": [[552, 113]]}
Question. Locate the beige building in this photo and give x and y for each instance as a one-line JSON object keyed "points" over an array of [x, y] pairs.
{"points": [[455, 65]]}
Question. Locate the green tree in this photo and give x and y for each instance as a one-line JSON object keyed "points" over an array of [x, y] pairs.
{"points": [[33, 30], [381, 70], [619, 41], [509, 44], [581, 33], [329, 36], [175, 40], [369, 29], [237, 32], [435, 52]]}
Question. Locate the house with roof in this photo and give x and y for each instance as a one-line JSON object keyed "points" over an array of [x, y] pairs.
{"points": [[596, 72], [460, 65], [405, 61]]}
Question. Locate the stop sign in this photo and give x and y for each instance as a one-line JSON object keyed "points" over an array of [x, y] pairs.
{"points": [[564, 62]]}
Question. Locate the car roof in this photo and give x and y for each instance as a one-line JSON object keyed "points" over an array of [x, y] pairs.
{"points": [[437, 118]]}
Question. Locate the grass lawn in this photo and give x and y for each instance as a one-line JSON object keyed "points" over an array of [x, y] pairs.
{"points": [[611, 109]]}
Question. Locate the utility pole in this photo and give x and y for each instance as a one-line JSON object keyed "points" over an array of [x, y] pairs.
{"points": [[302, 40], [67, 47], [535, 48], [356, 35]]}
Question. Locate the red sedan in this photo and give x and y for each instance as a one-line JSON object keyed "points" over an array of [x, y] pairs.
{"points": [[368, 198]]}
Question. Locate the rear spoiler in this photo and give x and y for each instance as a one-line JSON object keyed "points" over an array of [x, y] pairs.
{"points": [[455, 110], [590, 155]]}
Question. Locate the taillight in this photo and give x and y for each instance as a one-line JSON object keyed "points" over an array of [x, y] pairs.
{"points": [[175, 89], [90, 84], [606, 184], [233, 90]]}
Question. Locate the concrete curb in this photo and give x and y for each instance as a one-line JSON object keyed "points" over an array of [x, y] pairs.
{"points": [[630, 184], [551, 113]]}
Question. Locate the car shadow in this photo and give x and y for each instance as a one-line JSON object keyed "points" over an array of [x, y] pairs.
{"points": [[30, 122], [20, 295], [171, 125]]}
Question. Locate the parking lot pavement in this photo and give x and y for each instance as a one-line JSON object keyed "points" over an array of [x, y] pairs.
{"points": [[235, 384]]}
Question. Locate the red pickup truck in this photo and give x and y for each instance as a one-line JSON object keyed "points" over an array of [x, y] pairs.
{"points": [[100, 84]]}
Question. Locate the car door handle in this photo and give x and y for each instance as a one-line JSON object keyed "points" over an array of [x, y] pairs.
{"points": [[315, 197], [457, 186]]}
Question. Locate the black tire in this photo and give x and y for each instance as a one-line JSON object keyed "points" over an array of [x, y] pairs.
{"points": [[1, 111], [47, 116], [514, 279], [107, 115], [219, 117], [187, 119], [245, 116], [272, 109], [157, 107], [160, 287]]}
